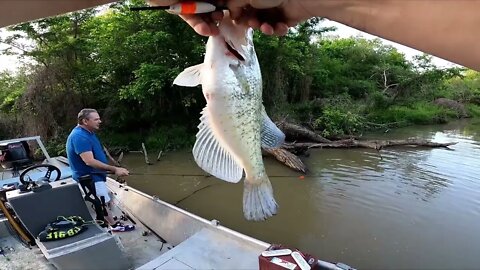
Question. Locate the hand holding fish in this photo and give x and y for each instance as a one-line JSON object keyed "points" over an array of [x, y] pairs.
{"points": [[203, 24], [271, 17]]}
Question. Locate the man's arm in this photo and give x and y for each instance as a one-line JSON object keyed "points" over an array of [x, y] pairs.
{"points": [[447, 29], [88, 158]]}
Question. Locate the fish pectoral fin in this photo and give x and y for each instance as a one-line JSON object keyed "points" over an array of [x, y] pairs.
{"points": [[212, 157], [271, 135], [190, 77]]}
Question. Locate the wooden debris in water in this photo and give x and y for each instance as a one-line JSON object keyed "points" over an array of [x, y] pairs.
{"points": [[120, 158], [114, 162], [373, 144], [287, 158], [146, 155], [298, 132]]}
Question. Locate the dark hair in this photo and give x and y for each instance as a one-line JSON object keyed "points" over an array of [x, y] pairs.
{"points": [[84, 114]]}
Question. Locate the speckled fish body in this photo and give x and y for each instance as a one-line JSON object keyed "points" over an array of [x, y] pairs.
{"points": [[234, 125]]}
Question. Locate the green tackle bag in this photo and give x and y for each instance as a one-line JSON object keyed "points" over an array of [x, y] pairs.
{"points": [[62, 228]]}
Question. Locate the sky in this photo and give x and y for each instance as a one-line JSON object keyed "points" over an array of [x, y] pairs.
{"points": [[11, 63]]}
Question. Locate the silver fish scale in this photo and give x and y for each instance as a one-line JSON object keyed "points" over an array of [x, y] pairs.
{"points": [[246, 102]]}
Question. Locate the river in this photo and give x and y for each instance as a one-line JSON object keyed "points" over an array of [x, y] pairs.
{"points": [[402, 208]]}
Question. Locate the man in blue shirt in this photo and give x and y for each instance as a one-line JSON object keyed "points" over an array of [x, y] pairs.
{"points": [[86, 156]]}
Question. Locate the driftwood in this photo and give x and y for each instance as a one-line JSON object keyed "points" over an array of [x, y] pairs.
{"points": [[374, 144], [287, 158], [146, 154], [120, 158], [295, 132], [114, 162]]}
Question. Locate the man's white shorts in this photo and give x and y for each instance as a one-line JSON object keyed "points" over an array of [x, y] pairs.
{"points": [[102, 190]]}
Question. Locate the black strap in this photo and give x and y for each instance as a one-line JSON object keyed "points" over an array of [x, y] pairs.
{"points": [[88, 186]]}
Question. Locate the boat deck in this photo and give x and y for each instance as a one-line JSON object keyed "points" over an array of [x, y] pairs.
{"points": [[206, 249], [16, 255]]}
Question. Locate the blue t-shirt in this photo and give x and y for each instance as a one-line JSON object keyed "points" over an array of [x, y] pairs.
{"points": [[79, 141]]}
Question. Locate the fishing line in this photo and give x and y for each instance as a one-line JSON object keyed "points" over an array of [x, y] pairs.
{"points": [[204, 175]]}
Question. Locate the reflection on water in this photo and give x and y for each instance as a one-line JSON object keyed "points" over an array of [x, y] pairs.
{"points": [[401, 208]]}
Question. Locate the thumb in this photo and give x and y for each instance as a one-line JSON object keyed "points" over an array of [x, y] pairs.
{"points": [[260, 4]]}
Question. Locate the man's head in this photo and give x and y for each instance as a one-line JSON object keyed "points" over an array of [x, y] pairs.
{"points": [[89, 119]]}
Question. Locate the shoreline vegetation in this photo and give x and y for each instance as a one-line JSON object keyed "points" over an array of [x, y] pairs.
{"points": [[122, 63]]}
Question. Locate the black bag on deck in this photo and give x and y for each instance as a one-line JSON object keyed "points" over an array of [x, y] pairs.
{"points": [[62, 228]]}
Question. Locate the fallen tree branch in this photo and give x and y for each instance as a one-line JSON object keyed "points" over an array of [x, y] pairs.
{"points": [[295, 131], [287, 158], [373, 144]]}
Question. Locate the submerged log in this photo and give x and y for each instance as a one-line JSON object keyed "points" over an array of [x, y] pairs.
{"points": [[295, 132], [373, 144], [287, 158]]}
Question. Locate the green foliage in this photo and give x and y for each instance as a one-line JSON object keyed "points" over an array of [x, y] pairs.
{"points": [[11, 89], [416, 113], [473, 110], [175, 137]]}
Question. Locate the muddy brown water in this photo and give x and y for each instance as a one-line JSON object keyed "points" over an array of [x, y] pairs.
{"points": [[405, 208]]}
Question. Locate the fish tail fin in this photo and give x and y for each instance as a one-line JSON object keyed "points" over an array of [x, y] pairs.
{"points": [[258, 200]]}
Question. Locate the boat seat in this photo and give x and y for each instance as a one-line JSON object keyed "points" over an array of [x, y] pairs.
{"points": [[92, 249]]}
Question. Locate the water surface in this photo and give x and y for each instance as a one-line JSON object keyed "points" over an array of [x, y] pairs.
{"points": [[400, 208]]}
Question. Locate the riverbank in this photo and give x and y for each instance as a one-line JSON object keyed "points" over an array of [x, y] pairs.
{"points": [[337, 120], [334, 121]]}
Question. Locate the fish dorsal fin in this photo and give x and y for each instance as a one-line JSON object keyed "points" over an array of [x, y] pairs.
{"points": [[190, 77], [212, 157], [271, 135]]}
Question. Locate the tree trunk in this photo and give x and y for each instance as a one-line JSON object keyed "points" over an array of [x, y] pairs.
{"points": [[295, 132], [287, 158], [373, 144]]}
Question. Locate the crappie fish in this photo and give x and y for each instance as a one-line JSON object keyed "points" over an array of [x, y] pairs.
{"points": [[234, 124]]}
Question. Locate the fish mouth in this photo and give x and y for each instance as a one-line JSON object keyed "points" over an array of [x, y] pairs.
{"points": [[232, 50]]}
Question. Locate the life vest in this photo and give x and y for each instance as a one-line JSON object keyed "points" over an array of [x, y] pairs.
{"points": [[62, 228]]}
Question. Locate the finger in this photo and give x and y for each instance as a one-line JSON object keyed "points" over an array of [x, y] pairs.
{"points": [[201, 26], [255, 24], [266, 3], [267, 29], [281, 29], [217, 16]]}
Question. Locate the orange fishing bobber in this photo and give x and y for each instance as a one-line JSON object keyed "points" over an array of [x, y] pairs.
{"points": [[185, 8]]}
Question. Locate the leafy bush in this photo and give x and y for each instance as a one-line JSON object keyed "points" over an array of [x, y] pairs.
{"points": [[336, 122]]}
